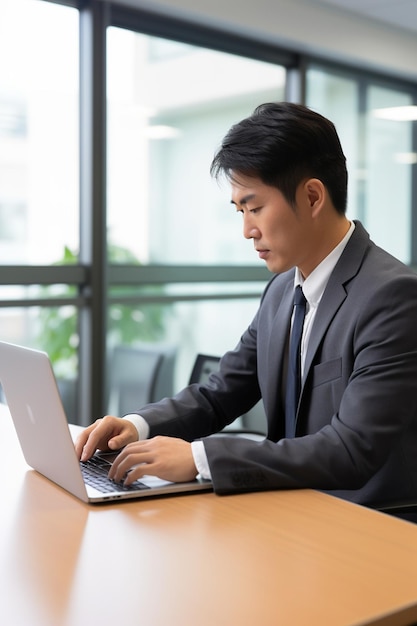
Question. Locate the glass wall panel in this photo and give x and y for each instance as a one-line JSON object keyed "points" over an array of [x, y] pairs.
{"points": [[182, 328], [51, 329], [169, 105], [39, 195], [379, 151], [337, 97], [389, 159], [208, 327]]}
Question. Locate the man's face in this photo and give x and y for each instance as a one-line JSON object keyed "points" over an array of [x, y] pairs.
{"points": [[282, 235]]}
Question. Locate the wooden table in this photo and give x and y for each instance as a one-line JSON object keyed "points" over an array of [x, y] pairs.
{"points": [[290, 558]]}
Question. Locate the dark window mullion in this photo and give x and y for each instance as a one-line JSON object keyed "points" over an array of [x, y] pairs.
{"points": [[93, 250]]}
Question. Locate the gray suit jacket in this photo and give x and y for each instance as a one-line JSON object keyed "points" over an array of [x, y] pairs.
{"points": [[356, 430]]}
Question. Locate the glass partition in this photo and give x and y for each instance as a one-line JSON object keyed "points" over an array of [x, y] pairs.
{"points": [[52, 329], [169, 105], [39, 194], [378, 144], [189, 327]]}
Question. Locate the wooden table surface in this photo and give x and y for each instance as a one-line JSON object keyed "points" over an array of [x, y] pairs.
{"points": [[290, 558]]}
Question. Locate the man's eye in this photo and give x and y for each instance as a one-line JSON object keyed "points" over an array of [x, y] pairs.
{"points": [[253, 211]]}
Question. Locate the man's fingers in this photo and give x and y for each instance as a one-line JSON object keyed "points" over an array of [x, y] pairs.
{"points": [[165, 457], [82, 443], [107, 433], [126, 464]]}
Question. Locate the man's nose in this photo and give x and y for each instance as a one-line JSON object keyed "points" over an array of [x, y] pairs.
{"points": [[250, 231]]}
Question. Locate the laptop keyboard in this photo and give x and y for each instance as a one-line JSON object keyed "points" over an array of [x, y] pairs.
{"points": [[95, 472]]}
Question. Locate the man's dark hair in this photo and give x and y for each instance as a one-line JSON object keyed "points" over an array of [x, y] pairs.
{"points": [[282, 144]]}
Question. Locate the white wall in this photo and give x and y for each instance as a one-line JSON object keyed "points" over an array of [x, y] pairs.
{"points": [[305, 26]]}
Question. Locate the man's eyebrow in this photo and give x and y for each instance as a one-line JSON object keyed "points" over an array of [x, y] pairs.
{"points": [[244, 200]]}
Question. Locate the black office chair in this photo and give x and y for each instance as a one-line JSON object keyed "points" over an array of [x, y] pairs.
{"points": [[251, 424], [139, 374]]}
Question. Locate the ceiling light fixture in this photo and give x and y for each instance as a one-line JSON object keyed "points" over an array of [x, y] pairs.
{"points": [[162, 132], [397, 114], [406, 158]]}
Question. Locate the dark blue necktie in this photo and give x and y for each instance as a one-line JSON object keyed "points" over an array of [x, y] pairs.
{"points": [[294, 362]]}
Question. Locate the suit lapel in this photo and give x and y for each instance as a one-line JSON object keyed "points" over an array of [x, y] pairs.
{"points": [[335, 293], [330, 303]]}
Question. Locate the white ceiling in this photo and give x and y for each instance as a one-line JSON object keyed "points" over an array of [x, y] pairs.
{"points": [[374, 34], [401, 13]]}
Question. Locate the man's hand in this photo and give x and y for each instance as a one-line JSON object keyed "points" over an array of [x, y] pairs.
{"points": [[107, 433], [166, 457]]}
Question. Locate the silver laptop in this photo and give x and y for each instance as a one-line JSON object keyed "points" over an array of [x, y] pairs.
{"points": [[31, 392]]}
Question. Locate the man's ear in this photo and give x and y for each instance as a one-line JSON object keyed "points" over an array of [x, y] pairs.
{"points": [[316, 194]]}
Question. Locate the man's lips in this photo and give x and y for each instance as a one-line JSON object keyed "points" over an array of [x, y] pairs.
{"points": [[262, 253]]}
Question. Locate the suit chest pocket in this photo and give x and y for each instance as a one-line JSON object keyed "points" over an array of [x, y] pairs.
{"points": [[327, 372]]}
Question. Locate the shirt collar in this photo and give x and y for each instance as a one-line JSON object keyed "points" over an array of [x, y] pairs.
{"points": [[315, 284]]}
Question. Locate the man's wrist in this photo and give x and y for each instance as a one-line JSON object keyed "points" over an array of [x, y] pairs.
{"points": [[140, 424], [200, 459]]}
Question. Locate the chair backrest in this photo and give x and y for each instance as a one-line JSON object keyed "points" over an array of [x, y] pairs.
{"points": [[204, 365], [139, 374], [254, 421]]}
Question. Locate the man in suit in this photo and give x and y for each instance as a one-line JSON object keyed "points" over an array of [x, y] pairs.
{"points": [[354, 430]]}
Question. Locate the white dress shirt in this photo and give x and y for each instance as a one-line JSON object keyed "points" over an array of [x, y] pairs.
{"points": [[313, 288]]}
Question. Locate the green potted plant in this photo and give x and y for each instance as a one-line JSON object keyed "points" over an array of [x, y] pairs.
{"points": [[58, 332]]}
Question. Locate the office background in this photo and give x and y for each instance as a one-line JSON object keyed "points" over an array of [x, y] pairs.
{"points": [[112, 233]]}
